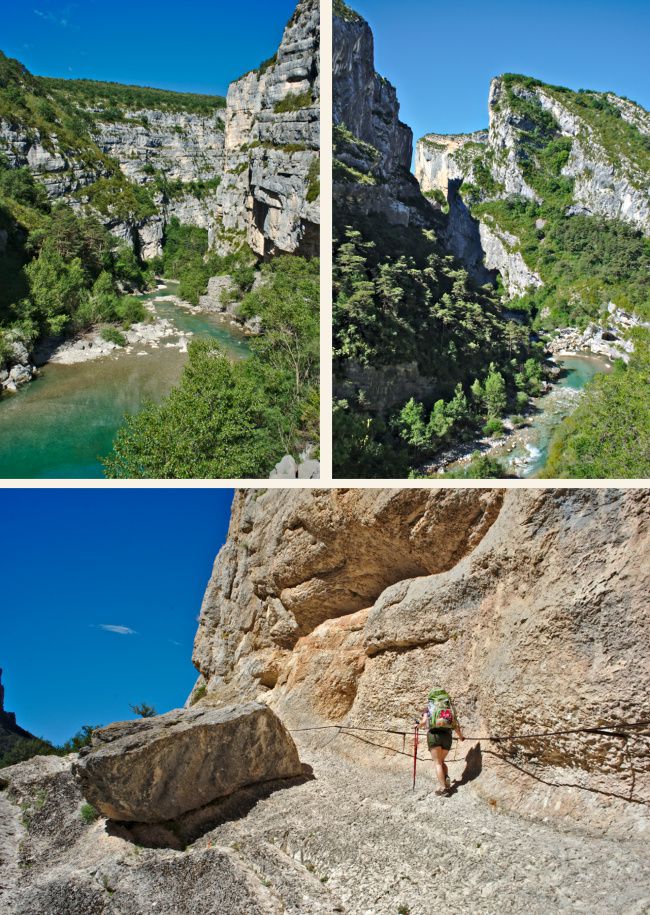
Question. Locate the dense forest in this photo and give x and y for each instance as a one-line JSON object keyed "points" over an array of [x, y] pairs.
{"points": [[59, 272]]}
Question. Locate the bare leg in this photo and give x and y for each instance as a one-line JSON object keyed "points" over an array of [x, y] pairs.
{"points": [[438, 756]]}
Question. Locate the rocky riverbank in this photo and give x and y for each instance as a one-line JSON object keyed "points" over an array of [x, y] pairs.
{"points": [[90, 345], [520, 444], [610, 338]]}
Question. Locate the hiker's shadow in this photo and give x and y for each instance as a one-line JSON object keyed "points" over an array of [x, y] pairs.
{"points": [[472, 770]]}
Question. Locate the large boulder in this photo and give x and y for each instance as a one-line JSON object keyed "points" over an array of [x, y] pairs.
{"points": [[155, 769]]}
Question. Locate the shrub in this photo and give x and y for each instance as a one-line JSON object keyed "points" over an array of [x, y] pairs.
{"points": [[88, 814], [313, 180], [144, 710], [294, 102], [493, 427], [481, 467], [131, 311], [113, 335]]}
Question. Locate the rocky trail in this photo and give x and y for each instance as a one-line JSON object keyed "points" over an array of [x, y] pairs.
{"points": [[380, 848], [351, 839]]}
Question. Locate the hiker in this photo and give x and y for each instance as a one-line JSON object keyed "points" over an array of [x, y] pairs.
{"points": [[439, 717]]}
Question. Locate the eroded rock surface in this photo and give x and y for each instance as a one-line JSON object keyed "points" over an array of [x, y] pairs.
{"points": [[156, 769], [345, 606]]}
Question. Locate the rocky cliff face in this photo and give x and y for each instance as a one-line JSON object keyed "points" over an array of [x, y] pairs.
{"points": [[605, 164], [373, 147], [345, 606], [146, 145], [249, 171], [270, 189]]}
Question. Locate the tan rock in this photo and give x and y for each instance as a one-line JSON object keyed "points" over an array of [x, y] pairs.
{"points": [[529, 606], [156, 769]]}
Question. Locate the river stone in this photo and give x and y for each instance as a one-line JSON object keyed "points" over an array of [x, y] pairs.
{"points": [[155, 769]]}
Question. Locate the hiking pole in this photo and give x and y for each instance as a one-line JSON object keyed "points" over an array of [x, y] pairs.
{"points": [[416, 735]]}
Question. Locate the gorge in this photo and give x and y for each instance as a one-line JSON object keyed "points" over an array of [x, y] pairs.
{"points": [[462, 290], [234, 183]]}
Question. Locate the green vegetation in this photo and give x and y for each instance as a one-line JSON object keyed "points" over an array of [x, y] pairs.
{"points": [[313, 179], [199, 693], [119, 198], [481, 467], [584, 261], [116, 97], [187, 259], [236, 420], [60, 272], [113, 335], [88, 814], [438, 197], [399, 300], [294, 102], [25, 748], [608, 435], [343, 11], [144, 710]]}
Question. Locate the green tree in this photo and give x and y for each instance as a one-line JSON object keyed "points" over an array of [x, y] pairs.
{"points": [[218, 423], [57, 288], [411, 425], [144, 710], [495, 393]]}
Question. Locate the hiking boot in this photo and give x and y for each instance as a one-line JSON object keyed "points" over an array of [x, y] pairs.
{"points": [[442, 792]]}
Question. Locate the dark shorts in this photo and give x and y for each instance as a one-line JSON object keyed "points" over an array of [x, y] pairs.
{"points": [[439, 737]]}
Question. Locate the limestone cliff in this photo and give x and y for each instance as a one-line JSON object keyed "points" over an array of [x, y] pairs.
{"points": [[245, 168], [344, 606], [584, 152], [174, 157], [372, 146], [270, 189]]}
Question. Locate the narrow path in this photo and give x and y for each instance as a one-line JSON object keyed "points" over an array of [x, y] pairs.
{"points": [[381, 849]]}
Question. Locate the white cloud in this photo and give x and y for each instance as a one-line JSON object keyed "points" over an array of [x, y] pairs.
{"points": [[51, 17], [120, 630]]}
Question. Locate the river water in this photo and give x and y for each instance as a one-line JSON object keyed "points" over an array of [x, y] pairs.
{"points": [[59, 425], [529, 456]]}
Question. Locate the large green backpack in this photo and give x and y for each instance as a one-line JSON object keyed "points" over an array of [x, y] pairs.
{"points": [[440, 710]]}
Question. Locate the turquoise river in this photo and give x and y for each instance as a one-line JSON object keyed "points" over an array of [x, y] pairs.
{"points": [[62, 423]]}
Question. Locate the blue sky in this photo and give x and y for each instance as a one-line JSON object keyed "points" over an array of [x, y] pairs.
{"points": [[441, 56], [193, 46], [74, 562]]}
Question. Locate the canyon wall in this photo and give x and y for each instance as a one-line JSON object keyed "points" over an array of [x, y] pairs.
{"points": [[248, 171], [271, 188], [145, 144], [372, 146], [346, 606], [608, 171]]}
